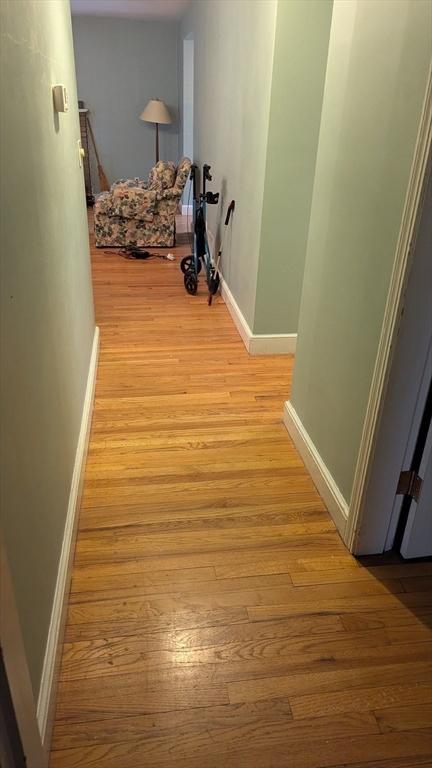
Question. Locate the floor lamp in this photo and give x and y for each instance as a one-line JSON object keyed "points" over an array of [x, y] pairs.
{"points": [[156, 112]]}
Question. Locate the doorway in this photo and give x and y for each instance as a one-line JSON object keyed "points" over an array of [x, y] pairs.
{"points": [[398, 504], [20, 737], [413, 537], [11, 748], [188, 114]]}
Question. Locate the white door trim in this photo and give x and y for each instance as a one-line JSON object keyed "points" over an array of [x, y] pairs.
{"points": [[417, 538], [417, 415], [392, 316]]}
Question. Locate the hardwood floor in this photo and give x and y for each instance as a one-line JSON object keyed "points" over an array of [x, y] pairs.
{"points": [[216, 620]]}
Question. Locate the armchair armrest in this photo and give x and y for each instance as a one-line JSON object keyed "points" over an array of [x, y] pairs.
{"points": [[167, 201], [133, 202]]}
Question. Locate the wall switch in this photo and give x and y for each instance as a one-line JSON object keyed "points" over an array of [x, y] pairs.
{"points": [[81, 153], [60, 97]]}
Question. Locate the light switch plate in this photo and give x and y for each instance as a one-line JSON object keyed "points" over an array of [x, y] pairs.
{"points": [[60, 97], [81, 153]]}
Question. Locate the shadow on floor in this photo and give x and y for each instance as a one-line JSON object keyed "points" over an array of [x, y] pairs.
{"points": [[417, 590]]}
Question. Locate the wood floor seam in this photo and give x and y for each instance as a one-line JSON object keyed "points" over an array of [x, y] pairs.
{"points": [[215, 617]]}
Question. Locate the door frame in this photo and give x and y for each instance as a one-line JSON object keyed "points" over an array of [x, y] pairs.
{"points": [[187, 78], [417, 416], [410, 547], [17, 672], [360, 515]]}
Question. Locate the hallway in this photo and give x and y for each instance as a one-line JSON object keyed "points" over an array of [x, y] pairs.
{"points": [[215, 617]]}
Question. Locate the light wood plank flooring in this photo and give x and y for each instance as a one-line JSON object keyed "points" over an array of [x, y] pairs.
{"points": [[215, 618]]}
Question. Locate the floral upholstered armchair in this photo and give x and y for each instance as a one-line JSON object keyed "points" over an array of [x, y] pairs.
{"points": [[140, 213]]}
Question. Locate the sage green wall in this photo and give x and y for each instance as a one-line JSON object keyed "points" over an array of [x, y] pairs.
{"points": [[379, 55], [121, 64], [47, 322], [299, 66], [233, 59]]}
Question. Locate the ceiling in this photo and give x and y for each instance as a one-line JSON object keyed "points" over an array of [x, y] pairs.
{"points": [[131, 9]]}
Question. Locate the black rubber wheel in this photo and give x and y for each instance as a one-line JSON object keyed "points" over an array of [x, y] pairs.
{"points": [[191, 282], [214, 284], [187, 264]]}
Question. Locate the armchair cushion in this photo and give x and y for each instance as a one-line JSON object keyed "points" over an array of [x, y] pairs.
{"points": [[162, 176], [133, 202], [136, 182]]}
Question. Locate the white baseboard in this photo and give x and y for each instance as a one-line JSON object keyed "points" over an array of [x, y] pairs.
{"points": [[48, 687], [234, 310], [187, 210], [273, 344], [323, 479], [257, 343]]}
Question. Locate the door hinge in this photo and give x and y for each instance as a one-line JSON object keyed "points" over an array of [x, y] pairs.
{"points": [[409, 484]]}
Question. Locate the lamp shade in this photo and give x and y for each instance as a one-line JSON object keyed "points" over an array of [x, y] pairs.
{"points": [[155, 111]]}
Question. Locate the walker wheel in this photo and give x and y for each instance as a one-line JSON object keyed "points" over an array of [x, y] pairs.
{"points": [[187, 263], [191, 282]]}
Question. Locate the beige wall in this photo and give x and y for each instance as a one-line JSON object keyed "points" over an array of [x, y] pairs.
{"points": [[379, 57], [299, 68], [259, 78], [47, 306], [233, 57]]}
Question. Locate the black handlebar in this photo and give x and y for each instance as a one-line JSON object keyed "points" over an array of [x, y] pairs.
{"points": [[229, 212], [193, 171], [211, 198]]}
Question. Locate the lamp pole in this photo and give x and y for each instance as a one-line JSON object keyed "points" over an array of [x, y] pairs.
{"points": [[156, 112], [157, 142]]}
